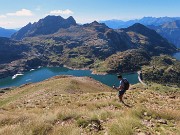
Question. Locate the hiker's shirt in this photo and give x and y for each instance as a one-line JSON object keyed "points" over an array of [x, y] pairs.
{"points": [[121, 85], [121, 88]]}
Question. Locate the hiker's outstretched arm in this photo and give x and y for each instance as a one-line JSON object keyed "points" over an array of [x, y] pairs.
{"points": [[116, 88]]}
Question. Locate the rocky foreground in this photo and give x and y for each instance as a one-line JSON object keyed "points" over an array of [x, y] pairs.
{"points": [[80, 105]]}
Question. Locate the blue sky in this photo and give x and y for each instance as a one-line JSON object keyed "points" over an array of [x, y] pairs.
{"points": [[17, 13]]}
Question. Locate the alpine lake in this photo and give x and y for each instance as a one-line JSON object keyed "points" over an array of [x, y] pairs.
{"points": [[44, 73]]}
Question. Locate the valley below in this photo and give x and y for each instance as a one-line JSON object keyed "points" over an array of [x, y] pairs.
{"points": [[91, 46]]}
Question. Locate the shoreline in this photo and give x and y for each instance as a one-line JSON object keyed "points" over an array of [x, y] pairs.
{"points": [[91, 73], [5, 72]]}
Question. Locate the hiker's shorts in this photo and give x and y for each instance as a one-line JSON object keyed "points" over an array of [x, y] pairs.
{"points": [[120, 93]]}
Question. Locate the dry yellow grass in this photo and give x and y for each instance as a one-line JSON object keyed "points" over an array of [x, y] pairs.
{"points": [[82, 106]]}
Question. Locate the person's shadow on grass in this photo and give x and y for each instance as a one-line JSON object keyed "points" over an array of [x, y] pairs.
{"points": [[125, 104]]}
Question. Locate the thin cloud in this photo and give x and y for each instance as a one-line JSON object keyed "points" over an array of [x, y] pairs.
{"points": [[6, 24], [61, 12], [22, 12], [2, 16]]}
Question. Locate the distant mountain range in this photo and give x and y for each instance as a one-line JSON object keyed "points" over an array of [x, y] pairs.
{"points": [[170, 31], [6, 32], [116, 24], [55, 41], [168, 27], [98, 35]]}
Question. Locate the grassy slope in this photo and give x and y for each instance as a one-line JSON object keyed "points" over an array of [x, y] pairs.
{"points": [[127, 61], [162, 69], [76, 105]]}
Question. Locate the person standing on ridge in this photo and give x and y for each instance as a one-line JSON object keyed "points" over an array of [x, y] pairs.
{"points": [[123, 86]]}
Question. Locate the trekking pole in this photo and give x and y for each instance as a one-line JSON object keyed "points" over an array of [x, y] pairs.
{"points": [[113, 87], [111, 93]]}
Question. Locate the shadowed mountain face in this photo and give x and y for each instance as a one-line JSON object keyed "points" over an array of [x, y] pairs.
{"points": [[170, 31], [48, 25], [6, 32], [149, 39], [11, 50], [167, 27]]}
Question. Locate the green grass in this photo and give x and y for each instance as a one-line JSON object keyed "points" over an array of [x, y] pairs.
{"points": [[79, 62], [162, 69]]}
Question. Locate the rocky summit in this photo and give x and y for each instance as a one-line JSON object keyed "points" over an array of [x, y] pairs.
{"points": [[45, 26]]}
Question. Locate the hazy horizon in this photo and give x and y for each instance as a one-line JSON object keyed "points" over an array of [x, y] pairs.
{"points": [[17, 28], [15, 15]]}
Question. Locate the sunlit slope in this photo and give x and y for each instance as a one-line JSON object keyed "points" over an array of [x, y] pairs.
{"points": [[80, 105]]}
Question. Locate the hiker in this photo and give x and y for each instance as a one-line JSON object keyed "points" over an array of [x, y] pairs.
{"points": [[124, 85]]}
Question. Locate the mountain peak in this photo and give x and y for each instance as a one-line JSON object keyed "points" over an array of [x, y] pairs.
{"points": [[96, 24], [48, 25], [71, 19], [143, 30], [52, 16], [153, 37], [29, 24], [137, 27]]}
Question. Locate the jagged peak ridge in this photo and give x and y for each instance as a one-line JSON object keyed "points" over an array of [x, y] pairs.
{"points": [[48, 25]]}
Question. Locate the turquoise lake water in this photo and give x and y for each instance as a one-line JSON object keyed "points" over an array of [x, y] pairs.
{"points": [[47, 72]]}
